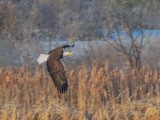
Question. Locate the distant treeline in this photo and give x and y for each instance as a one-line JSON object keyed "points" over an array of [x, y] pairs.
{"points": [[23, 24]]}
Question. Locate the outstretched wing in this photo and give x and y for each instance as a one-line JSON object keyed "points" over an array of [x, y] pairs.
{"points": [[57, 73]]}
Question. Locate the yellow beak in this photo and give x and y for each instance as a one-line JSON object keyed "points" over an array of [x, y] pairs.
{"points": [[70, 53]]}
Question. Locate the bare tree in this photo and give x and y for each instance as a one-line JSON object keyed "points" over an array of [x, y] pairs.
{"points": [[130, 21]]}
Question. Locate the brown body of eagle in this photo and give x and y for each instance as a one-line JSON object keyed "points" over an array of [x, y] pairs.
{"points": [[56, 69]]}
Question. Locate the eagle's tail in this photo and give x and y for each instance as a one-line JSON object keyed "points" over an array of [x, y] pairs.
{"points": [[42, 58]]}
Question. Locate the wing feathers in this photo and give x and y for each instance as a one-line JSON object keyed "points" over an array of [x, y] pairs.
{"points": [[57, 73]]}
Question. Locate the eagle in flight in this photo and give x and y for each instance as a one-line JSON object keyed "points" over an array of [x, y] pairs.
{"points": [[55, 67]]}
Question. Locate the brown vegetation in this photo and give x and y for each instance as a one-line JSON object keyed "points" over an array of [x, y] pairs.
{"points": [[100, 92], [96, 94]]}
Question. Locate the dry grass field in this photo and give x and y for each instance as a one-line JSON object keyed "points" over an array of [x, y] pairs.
{"points": [[98, 93]]}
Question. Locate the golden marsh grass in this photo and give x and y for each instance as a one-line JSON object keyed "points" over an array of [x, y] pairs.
{"points": [[98, 93]]}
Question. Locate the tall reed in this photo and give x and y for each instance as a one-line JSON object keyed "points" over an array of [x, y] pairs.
{"points": [[96, 93]]}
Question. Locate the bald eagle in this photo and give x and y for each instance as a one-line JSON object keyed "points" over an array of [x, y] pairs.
{"points": [[55, 67]]}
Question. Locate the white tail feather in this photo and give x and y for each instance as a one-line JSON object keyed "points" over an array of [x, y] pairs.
{"points": [[42, 58]]}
